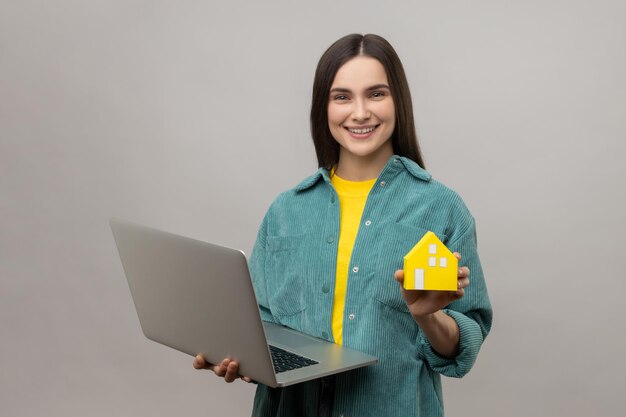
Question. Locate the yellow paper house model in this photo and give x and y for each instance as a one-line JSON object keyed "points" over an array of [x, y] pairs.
{"points": [[430, 266]]}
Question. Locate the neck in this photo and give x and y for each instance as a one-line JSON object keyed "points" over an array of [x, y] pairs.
{"points": [[357, 168]]}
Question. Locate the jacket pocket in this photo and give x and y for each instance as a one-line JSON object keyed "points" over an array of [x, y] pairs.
{"points": [[286, 278], [397, 240]]}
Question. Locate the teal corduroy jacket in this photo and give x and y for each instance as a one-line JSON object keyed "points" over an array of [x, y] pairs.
{"points": [[293, 269]]}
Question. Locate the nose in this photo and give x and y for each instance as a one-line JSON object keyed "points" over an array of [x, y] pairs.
{"points": [[360, 112]]}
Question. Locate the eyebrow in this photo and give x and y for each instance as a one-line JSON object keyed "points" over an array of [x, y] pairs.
{"points": [[347, 90]]}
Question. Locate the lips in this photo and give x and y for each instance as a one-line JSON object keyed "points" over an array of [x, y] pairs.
{"points": [[361, 132]]}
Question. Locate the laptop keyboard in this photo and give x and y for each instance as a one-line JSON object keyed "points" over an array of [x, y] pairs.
{"points": [[287, 361]]}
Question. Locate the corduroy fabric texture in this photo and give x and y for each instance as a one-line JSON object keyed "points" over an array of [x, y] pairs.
{"points": [[293, 268]]}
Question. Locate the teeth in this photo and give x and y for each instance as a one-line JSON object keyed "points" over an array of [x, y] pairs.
{"points": [[362, 131]]}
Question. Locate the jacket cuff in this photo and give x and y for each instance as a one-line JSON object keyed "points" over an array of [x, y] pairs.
{"points": [[266, 315], [470, 340]]}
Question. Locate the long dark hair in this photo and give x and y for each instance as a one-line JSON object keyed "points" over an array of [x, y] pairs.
{"points": [[403, 138]]}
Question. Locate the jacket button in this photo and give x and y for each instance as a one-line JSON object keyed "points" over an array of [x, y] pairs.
{"points": [[330, 239], [325, 289], [355, 269], [324, 335], [382, 183], [368, 222], [352, 316]]}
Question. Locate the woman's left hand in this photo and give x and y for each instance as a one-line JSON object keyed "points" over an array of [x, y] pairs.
{"points": [[422, 303]]}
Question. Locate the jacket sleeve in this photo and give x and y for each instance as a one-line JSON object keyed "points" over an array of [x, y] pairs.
{"points": [[258, 271], [473, 312]]}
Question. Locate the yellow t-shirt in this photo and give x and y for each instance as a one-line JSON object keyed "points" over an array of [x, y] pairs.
{"points": [[352, 198]]}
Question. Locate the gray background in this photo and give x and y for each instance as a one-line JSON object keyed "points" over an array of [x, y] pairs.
{"points": [[192, 115]]}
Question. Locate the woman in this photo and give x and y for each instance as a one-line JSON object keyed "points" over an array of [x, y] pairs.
{"points": [[328, 250]]}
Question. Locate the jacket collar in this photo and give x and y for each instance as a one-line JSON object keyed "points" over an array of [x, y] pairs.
{"points": [[394, 166]]}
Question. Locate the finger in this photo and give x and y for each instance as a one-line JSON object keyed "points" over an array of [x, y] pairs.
{"points": [[457, 255], [221, 369], [246, 378], [200, 363], [232, 372], [463, 272], [463, 283], [399, 275]]}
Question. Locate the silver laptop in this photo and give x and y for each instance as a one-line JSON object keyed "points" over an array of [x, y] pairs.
{"points": [[198, 298]]}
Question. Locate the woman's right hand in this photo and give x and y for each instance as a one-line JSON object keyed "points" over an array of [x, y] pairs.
{"points": [[227, 369]]}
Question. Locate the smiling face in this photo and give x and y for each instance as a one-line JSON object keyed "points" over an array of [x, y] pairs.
{"points": [[361, 118]]}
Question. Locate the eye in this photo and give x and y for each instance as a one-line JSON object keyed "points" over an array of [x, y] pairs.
{"points": [[378, 94], [340, 97]]}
